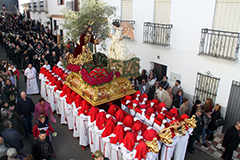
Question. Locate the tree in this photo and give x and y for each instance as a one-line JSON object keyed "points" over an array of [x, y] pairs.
{"points": [[97, 11]]}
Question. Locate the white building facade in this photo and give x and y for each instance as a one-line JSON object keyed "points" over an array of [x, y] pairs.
{"points": [[192, 45]]}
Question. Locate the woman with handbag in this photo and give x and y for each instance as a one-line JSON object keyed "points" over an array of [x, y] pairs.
{"points": [[9, 92], [215, 116]]}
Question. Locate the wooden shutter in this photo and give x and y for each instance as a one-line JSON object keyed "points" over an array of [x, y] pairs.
{"points": [[227, 15], [162, 11], [127, 9]]}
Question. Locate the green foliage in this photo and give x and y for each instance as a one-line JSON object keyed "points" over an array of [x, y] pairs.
{"points": [[97, 11], [100, 59]]}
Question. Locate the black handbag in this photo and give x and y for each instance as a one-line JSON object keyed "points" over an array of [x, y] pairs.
{"points": [[219, 122]]}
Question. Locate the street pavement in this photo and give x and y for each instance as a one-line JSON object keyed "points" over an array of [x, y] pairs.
{"points": [[65, 146]]}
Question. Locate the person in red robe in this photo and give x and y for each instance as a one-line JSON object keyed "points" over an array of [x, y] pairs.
{"points": [[84, 39]]}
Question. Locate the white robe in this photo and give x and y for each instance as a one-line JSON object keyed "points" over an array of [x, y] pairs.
{"points": [[69, 116], [75, 115], [181, 147], [62, 109], [106, 147], [116, 153], [57, 100], [32, 86], [91, 134], [83, 140], [168, 149], [98, 139], [153, 156], [42, 88], [52, 98]]}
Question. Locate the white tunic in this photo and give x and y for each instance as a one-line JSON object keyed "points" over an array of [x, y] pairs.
{"points": [[91, 134], [181, 147], [83, 140], [168, 149], [32, 86]]}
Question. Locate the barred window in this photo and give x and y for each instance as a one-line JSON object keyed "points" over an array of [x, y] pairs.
{"points": [[127, 9], [206, 87]]}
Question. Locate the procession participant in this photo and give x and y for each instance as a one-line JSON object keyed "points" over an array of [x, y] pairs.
{"points": [[140, 111], [66, 109], [181, 146], [141, 151], [119, 115], [108, 130], [56, 94], [149, 135], [128, 121], [136, 95], [51, 94], [132, 107], [128, 145], [124, 102], [160, 122], [143, 99], [168, 149], [76, 118], [62, 104], [149, 118], [92, 115], [69, 107], [100, 125], [116, 139], [32, 86], [112, 109]]}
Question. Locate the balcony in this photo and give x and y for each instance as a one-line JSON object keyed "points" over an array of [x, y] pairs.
{"points": [[157, 34], [132, 22], [219, 44], [35, 6]]}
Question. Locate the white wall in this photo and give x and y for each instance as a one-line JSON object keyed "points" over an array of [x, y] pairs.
{"points": [[188, 18]]}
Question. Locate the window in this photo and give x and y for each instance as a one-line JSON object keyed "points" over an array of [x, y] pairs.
{"points": [[227, 15], [206, 87], [60, 2], [162, 11], [127, 9], [219, 44], [54, 24], [158, 34]]}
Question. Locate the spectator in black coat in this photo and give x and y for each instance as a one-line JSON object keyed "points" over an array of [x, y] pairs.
{"points": [[53, 59], [152, 91], [196, 105], [142, 76], [9, 91], [231, 140], [25, 108], [178, 99], [215, 115], [12, 137], [164, 81]]}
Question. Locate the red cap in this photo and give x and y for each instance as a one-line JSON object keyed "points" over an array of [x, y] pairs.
{"points": [[84, 108], [128, 121], [110, 125], [142, 151], [77, 100], [149, 134], [64, 90], [119, 132], [119, 115], [93, 113], [101, 120], [112, 109], [129, 141], [72, 96], [150, 110], [174, 111]]}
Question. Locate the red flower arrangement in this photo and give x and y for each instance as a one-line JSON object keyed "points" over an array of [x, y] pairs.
{"points": [[74, 68], [98, 77]]}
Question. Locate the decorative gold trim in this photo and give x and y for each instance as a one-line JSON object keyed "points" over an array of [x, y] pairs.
{"points": [[118, 88]]}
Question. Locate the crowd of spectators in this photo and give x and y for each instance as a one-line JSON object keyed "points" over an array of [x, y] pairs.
{"points": [[25, 42]]}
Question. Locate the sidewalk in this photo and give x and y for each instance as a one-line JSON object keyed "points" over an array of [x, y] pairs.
{"points": [[211, 150]]}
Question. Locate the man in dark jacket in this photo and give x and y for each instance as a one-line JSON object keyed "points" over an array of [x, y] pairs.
{"points": [[193, 137], [231, 141], [25, 108], [12, 137], [41, 149]]}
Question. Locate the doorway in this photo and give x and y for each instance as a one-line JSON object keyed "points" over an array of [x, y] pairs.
{"points": [[233, 109], [160, 71]]}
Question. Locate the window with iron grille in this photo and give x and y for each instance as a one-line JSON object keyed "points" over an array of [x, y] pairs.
{"points": [[206, 87], [127, 9], [219, 44], [158, 34], [119, 21]]}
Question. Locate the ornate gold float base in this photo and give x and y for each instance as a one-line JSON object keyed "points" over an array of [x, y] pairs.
{"points": [[118, 88], [80, 59]]}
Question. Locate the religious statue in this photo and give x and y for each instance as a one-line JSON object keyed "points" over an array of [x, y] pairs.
{"points": [[82, 54], [118, 50]]}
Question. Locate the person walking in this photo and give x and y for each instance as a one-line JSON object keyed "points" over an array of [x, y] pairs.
{"points": [[25, 108], [44, 124], [32, 86], [231, 140], [191, 141], [44, 108], [215, 116], [41, 149]]}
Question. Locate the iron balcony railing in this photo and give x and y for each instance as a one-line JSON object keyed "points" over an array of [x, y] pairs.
{"points": [[41, 4], [219, 44], [35, 6], [158, 34], [132, 22]]}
